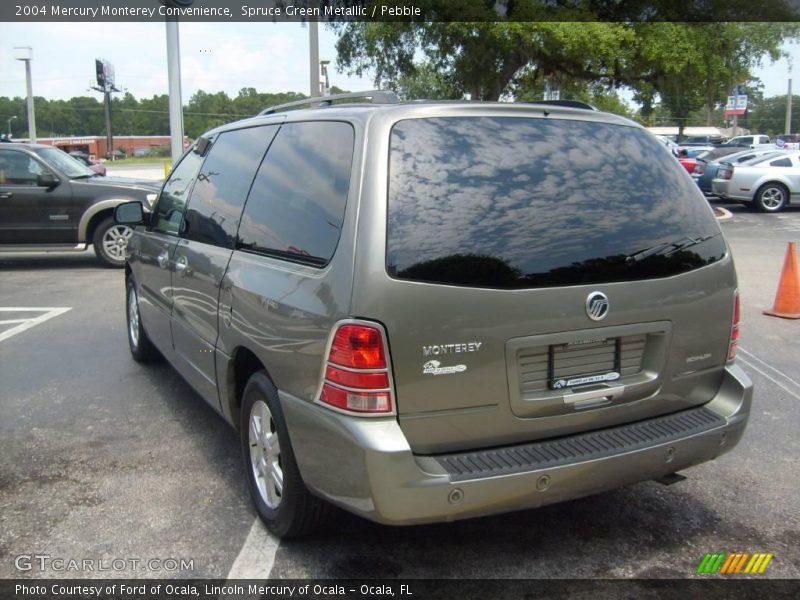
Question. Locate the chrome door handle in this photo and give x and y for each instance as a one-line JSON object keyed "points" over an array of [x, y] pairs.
{"points": [[181, 264], [163, 259]]}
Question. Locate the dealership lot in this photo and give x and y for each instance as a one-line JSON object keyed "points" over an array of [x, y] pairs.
{"points": [[105, 460]]}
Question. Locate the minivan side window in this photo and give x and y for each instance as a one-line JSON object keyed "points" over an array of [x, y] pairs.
{"points": [[296, 206], [219, 193], [168, 211]]}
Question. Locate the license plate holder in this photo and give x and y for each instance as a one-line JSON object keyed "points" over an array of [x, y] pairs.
{"points": [[607, 367]]}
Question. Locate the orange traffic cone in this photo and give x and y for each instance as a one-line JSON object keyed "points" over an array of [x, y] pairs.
{"points": [[787, 300]]}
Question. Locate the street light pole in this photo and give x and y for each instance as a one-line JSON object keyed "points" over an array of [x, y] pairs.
{"points": [[175, 98], [25, 54], [9, 125], [313, 51]]}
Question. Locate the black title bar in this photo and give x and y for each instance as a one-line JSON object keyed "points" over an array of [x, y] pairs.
{"points": [[399, 10]]}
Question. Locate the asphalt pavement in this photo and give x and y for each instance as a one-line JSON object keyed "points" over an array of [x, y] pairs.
{"points": [[105, 459]]}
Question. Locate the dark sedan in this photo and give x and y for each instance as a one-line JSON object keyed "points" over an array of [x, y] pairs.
{"points": [[49, 201]]}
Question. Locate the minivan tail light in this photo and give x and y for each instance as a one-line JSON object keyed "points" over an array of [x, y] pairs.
{"points": [[356, 377], [734, 341], [358, 347]]}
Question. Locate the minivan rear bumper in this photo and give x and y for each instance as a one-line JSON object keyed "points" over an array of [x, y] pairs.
{"points": [[367, 467]]}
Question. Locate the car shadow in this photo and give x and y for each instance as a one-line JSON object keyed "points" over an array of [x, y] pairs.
{"points": [[60, 260]]}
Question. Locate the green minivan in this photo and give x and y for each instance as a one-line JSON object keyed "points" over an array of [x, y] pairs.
{"points": [[430, 311]]}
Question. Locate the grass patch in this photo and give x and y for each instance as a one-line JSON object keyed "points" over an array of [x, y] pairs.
{"points": [[143, 160]]}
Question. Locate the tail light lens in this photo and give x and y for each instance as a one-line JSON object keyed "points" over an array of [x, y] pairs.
{"points": [[357, 372], [699, 168], [727, 173], [734, 327]]}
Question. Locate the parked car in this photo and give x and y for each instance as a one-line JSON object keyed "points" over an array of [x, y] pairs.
{"points": [[671, 146], [750, 141], [770, 182], [94, 165], [701, 140], [787, 141], [372, 296], [706, 169], [49, 201]]}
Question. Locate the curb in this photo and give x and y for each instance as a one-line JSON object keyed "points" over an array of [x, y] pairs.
{"points": [[726, 214]]}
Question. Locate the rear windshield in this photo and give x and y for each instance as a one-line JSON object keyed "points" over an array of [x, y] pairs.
{"points": [[520, 202]]}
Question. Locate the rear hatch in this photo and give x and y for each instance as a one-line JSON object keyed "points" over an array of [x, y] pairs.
{"points": [[542, 276]]}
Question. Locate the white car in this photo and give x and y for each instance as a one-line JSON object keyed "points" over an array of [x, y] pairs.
{"points": [[753, 141], [770, 182]]}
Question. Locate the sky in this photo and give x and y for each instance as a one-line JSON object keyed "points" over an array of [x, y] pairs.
{"points": [[271, 57]]}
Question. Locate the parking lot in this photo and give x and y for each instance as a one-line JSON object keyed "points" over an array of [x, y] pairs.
{"points": [[107, 460]]}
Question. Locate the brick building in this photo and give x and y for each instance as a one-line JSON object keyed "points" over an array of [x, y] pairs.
{"points": [[97, 147]]}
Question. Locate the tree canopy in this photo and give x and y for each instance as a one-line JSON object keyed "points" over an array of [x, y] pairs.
{"points": [[685, 66]]}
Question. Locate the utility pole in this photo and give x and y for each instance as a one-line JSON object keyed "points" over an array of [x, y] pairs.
{"points": [[788, 127], [313, 58], [105, 85], [25, 53]]}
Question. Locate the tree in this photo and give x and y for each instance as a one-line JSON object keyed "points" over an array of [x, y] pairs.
{"points": [[694, 65], [482, 57], [769, 115], [684, 65]]}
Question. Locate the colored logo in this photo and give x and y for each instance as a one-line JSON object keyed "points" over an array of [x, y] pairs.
{"points": [[734, 563], [433, 367]]}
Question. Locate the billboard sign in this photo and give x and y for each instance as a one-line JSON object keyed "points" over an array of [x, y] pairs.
{"points": [[105, 72], [737, 105]]}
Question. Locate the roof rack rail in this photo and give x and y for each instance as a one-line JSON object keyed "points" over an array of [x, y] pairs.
{"points": [[567, 103], [376, 96]]}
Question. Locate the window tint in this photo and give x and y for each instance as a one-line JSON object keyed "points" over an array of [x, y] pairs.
{"points": [[215, 206], [17, 168], [516, 202], [782, 162], [296, 206], [168, 212]]}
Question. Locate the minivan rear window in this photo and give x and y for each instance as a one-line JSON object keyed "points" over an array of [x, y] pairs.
{"points": [[509, 202]]}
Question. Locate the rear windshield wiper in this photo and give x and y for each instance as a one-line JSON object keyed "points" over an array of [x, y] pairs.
{"points": [[667, 248]]}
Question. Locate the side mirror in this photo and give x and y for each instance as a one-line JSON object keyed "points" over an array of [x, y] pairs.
{"points": [[47, 180], [129, 213]]}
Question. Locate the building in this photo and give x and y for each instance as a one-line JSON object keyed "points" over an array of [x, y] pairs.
{"points": [[96, 145]]}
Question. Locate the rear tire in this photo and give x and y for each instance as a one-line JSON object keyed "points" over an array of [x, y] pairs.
{"points": [[281, 498], [142, 349], [110, 241], [771, 197]]}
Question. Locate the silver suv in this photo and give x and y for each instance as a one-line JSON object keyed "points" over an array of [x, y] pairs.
{"points": [[422, 312]]}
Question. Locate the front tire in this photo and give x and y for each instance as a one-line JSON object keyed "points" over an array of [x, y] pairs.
{"points": [[110, 241], [142, 349], [771, 197], [281, 498]]}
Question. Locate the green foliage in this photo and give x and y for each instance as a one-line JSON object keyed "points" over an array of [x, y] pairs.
{"points": [[769, 115], [684, 66], [85, 115]]}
